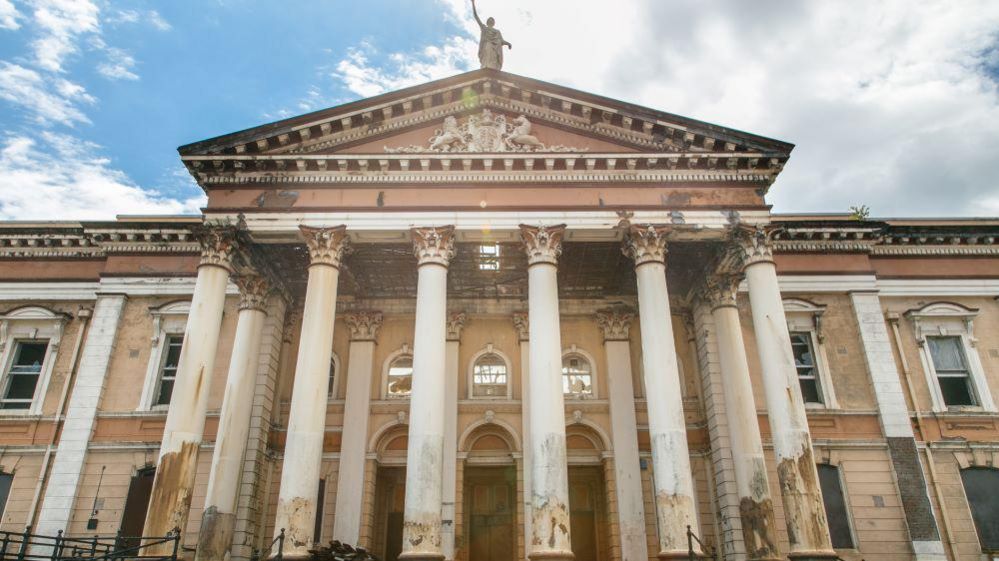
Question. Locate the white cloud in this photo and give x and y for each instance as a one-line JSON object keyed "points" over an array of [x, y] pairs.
{"points": [[47, 100], [890, 103], [9, 15], [158, 22], [61, 175], [118, 66], [61, 22]]}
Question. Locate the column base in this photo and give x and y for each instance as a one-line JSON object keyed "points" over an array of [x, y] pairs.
{"points": [[290, 556], [551, 555], [421, 556], [674, 555], [813, 555]]}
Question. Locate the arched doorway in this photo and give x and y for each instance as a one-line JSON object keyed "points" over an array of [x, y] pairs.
{"points": [[489, 495], [390, 493], [588, 512]]}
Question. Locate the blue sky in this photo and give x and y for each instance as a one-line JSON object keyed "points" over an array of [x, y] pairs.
{"points": [[891, 104]]}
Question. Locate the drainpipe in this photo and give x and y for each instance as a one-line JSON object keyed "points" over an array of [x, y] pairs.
{"points": [[84, 315], [930, 464]]}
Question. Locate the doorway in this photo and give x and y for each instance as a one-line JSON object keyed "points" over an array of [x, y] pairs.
{"points": [[390, 501], [133, 517], [490, 501], [588, 513]]}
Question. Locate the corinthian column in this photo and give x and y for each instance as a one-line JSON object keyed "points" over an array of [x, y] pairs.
{"points": [[219, 518], [804, 512], [303, 450], [676, 506], [756, 509], [185, 422], [549, 470], [421, 532]]}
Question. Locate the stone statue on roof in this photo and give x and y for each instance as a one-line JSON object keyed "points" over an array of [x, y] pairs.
{"points": [[490, 42]]}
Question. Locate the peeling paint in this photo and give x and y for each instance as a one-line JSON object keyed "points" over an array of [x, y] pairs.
{"points": [[758, 528], [804, 511], [674, 514], [298, 516], [171, 494], [215, 537], [276, 199], [423, 535], [550, 520]]}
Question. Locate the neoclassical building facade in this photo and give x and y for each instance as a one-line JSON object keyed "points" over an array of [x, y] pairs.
{"points": [[489, 318]]}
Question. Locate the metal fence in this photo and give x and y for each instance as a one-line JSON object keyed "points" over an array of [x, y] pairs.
{"points": [[26, 546]]}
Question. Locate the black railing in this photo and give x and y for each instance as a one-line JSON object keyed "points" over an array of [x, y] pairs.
{"points": [[707, 551], [25, 546]]}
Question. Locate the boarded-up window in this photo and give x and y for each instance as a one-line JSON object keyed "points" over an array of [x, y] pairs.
{"points": [[136, 503], [836, 511], [6, 480], [981, 486]]}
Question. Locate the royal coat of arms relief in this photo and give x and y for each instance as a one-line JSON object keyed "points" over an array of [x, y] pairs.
{"points": [[484, 132]]}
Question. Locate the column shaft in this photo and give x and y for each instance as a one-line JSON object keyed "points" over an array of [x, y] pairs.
{"points": [[549, 469], [675, 502], [449, 471], [176, 467], [756, 512], [303, 450], [218, 522], [804, 511], [522, 323]]}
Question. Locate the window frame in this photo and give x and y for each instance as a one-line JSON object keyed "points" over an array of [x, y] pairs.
{"points": [[594, 379], [405, 350], [969, 466], [470, 389], [169, 320], [841, 475], [806, 317], [333, 394], [949, 319], [30, 324], [168, 340]]}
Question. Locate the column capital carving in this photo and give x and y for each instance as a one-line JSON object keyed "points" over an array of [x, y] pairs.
{"points": [[522, 323], [720, 290], [433, 245], [292, 320], [254, 290], [542, 243], [615, 323], [647, 243], [455, 323], [363, 324], [754, 244], [327, 246], [219, 242]]}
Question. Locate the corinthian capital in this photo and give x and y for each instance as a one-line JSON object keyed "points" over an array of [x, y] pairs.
{"points": [[720, 290], [522, 323], [363, 325], [615, 323], [327, 246], [433, 245], [218, 243], [754, 244], [254, 290], [455, 323], [647, 244], [543, 243]]}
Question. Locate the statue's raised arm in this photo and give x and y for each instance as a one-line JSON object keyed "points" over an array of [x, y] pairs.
{"points": [[490, 42]]}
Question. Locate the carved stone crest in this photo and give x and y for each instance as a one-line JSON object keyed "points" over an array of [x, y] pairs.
{"points": [[485, 132]]}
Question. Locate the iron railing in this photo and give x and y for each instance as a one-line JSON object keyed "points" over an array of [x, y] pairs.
{"points": [[707, 552], [26, 546]]}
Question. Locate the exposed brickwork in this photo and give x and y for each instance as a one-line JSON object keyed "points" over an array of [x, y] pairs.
{"points": [[912, 489]]}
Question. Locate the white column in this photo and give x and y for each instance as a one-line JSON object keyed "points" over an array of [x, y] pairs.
{"points": [[549, 469], [421, 531], [616, 324], [185, 422], [523, 325], [455, 323], [675, 501], [303, 450], [756, 509], [218, 521], [60, 492], [363, 326], [804, 511]]}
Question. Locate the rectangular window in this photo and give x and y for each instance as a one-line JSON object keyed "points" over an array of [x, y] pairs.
{"points": [[489, 257], [952, 370], [804, 362], [836, 511], [168, 369], [22, 378], [320, 503], [6, 480]]}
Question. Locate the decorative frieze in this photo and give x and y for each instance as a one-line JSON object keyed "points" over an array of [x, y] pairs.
{"points": [[615, 323], [363, 325], [523, 325], [543, 243], [218, 244], [484, 132], [455, 323], [433, 245], [254, 290], [647, 243], [327, 246]]}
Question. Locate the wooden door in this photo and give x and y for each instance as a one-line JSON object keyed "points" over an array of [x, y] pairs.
{"points": [[133, 517], [490, 503], [587, 520], [390, 500]]}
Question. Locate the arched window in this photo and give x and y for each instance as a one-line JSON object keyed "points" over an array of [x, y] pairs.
{"points": [[490, 376], [577, 375], [399, 382], [980, 486]]}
